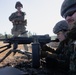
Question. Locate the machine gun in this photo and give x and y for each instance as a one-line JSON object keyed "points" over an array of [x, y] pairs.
{"points": [[37, 41]]}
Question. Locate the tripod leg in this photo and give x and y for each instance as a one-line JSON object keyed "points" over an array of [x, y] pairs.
{"points": [[4, 50], [6, 55]]}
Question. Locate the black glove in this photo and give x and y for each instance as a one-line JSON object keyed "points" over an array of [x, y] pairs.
{"points": [[45, 48], [44, 54], [53, 55]]}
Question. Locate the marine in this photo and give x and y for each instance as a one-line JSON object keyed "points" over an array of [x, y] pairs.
{"points": [[19, 22], [68, 12], [59, 59]]}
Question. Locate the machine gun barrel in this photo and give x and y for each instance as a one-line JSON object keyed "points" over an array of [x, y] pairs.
{"points": [[19, 40], [42, 39]]}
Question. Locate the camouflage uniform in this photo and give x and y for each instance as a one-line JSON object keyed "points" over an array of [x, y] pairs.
{"points": [[20, 27], [59, 59], [72, 49], [67, 9]]}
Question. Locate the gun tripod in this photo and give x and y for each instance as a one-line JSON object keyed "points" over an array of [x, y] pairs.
{"points": [[14, 50]]}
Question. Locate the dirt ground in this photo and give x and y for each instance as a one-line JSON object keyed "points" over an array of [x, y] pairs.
{"points": [[11, 58]]}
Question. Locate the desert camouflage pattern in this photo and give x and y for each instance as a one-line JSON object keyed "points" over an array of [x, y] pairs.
{"points": [[19, 24]]}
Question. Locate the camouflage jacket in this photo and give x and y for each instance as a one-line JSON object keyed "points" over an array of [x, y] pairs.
{"points": [[62, 53], [72, 49], [14, 16]]}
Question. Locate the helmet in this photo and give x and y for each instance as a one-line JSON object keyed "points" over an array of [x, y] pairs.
{"points": [[18, 4], [68, 6], [60, 26]]}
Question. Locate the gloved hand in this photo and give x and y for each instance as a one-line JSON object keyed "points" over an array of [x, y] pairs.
{"points": [[45, 48], [44, 54], [53, 55]]}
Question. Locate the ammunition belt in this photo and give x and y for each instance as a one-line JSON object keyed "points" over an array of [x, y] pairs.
{"points": [[20, 22]]}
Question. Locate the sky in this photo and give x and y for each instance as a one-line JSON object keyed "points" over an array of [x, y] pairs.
{"points": [[41, 15]]}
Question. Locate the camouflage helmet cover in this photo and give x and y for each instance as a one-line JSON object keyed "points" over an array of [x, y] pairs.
{"points": [[18, 4], [68, 6], [60, 26]]}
